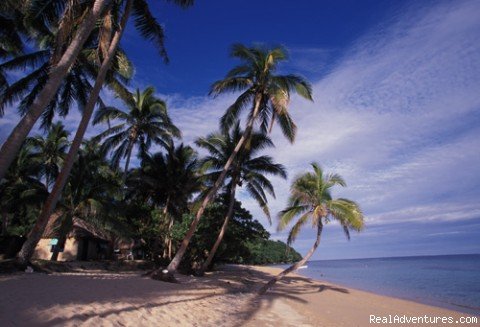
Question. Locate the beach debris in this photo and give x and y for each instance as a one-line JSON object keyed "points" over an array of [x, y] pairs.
{"points": [[29, 270]]}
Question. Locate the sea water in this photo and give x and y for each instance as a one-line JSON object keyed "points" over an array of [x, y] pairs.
{"points": [[449, 281]]}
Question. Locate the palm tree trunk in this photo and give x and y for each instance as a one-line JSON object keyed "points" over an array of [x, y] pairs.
{"points": [[129, 154], [173, 266], [14, 142], [169, 244], [295, 266], [231, 206], [167, 251], [29, 246]]}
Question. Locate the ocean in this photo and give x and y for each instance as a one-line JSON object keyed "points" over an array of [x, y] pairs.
{"points": [[449, 281]]}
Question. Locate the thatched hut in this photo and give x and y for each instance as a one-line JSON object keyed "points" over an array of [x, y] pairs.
{"points": [[83, 242]]}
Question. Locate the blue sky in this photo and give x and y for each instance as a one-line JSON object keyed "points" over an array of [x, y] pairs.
{"points": [[396, 111]]}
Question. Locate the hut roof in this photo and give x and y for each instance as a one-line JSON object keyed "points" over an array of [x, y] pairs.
{"points": [[81, 228]]}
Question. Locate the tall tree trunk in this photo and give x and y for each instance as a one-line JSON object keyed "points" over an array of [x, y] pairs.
{"points": [[29, 246], [229, 215], [56, 74], [169, 244], [295, 266], [167, 251], [173, 266], [129, 154]]}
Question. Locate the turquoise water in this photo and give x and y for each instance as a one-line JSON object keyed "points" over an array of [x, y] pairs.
{"points": [[450, 281]]}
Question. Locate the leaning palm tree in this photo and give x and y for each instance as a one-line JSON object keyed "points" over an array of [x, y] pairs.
{"points": [[50, 151], [74, 88], [266, 94], [148, 27], [145, 121], [85, 15], [59, 68], [248, 171], [311, 201]]}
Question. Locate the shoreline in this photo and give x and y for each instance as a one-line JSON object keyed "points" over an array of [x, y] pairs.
{"points": [[342, 300], [223, 297], [469, 310]]}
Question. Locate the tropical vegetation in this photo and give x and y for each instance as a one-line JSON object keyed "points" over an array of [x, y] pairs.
{"points": [[136, 178], [311, 201]]}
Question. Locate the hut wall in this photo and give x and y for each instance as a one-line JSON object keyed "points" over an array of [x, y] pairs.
{"points": [[43, 250]]}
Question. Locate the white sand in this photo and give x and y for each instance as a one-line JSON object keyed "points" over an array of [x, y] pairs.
{"points": [[222, 298]]}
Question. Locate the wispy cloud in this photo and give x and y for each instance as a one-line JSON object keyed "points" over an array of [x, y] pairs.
{"points": [[399, 118], [398, 115]]}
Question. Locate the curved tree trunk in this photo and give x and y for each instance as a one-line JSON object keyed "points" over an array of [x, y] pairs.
{"points": [[173, 266], [229, 215], [295, 266], [14, 142], [29, 246]]}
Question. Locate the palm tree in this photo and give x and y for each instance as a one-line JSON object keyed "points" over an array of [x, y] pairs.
{"points": [[75, 87], [64, 57], [311, 201], [50, 151], [267, 95], [21, 188], [169, 181], [148, 27], [145, 122], [91, 193], [247, 171], [11, 34], [56, 73]]}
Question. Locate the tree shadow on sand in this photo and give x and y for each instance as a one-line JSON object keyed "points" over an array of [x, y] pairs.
{"points": [[92, 297]]}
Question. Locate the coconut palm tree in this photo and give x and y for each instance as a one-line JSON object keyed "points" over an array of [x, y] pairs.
{"points": [[91, 193], [21, 188], [75, 88], [148, 27], [266, 94], [247, 170], [83, 14], [50, 151], [146, 121], [311, 201], [56, 73], [12, 32], [168, 180]]}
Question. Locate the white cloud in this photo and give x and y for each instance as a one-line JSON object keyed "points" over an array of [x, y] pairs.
{"points": [[398, 116]]}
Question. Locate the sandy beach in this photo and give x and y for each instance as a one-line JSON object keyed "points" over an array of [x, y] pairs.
{"points": [[221, 298]]}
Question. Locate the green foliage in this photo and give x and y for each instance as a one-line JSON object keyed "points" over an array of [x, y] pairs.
{"points": [[144, 122], [255, 77], [311, 200], [245, 242], [271, 252]]}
